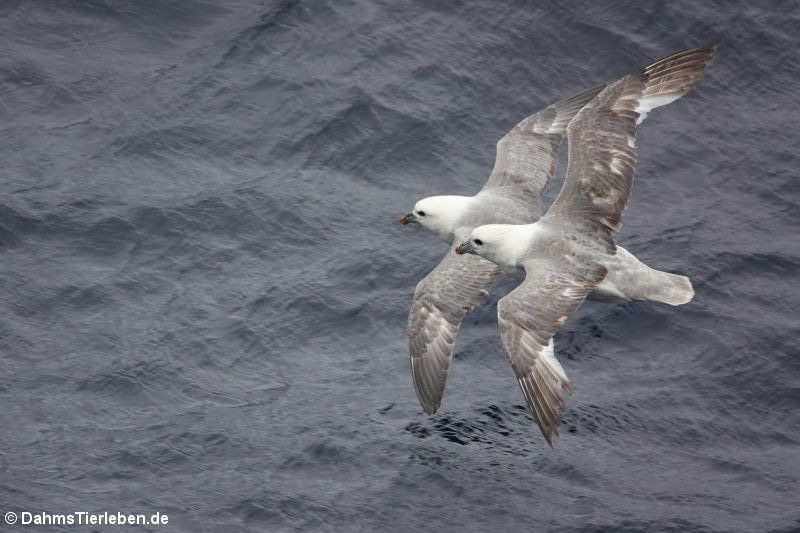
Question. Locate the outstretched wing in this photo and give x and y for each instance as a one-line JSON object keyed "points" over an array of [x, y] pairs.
{"points": [[602, 142], [602, 155], [527, 155], [441, 300], [528, 317]]}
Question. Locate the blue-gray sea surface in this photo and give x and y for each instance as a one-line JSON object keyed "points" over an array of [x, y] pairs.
{"points": [[204, 288]]}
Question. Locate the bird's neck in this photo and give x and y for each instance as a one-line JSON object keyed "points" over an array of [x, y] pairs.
{"points": [[451, 216], [512, 251]]}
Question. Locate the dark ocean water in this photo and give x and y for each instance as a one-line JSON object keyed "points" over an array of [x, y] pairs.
{"points": [[203, 287]]}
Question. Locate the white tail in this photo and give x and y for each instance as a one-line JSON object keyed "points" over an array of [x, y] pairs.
{"points": [[629, 279]]}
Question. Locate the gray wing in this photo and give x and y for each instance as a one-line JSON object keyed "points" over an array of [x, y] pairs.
{"points": [[528, 317], [602, 142], [527, 155], [441, 300]]}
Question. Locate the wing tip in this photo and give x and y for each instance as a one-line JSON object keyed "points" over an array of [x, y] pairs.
{"points": [[429, 391], [429, 409], [675, 74], [701, 54], [544, 402], [429, 405]]}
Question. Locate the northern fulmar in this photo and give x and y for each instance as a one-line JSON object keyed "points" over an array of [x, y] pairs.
{"points": [[525, 162]]}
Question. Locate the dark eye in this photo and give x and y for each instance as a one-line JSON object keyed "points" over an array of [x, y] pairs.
{"points": [[477, 241], [421, 213]]}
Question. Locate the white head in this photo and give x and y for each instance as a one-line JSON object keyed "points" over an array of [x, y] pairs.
{"points": [[439, 214], [503, 244]]}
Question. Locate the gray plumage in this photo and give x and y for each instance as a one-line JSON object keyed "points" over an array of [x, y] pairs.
{"points": [[527, 155]]}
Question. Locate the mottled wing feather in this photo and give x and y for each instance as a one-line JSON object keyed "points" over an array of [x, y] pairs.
{"points": [[528, 317], [440, 302], [527, 155], [602, 142]]}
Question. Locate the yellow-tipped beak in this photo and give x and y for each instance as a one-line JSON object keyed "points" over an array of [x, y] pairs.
{"points": [[410, 218], [465, 248]]}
